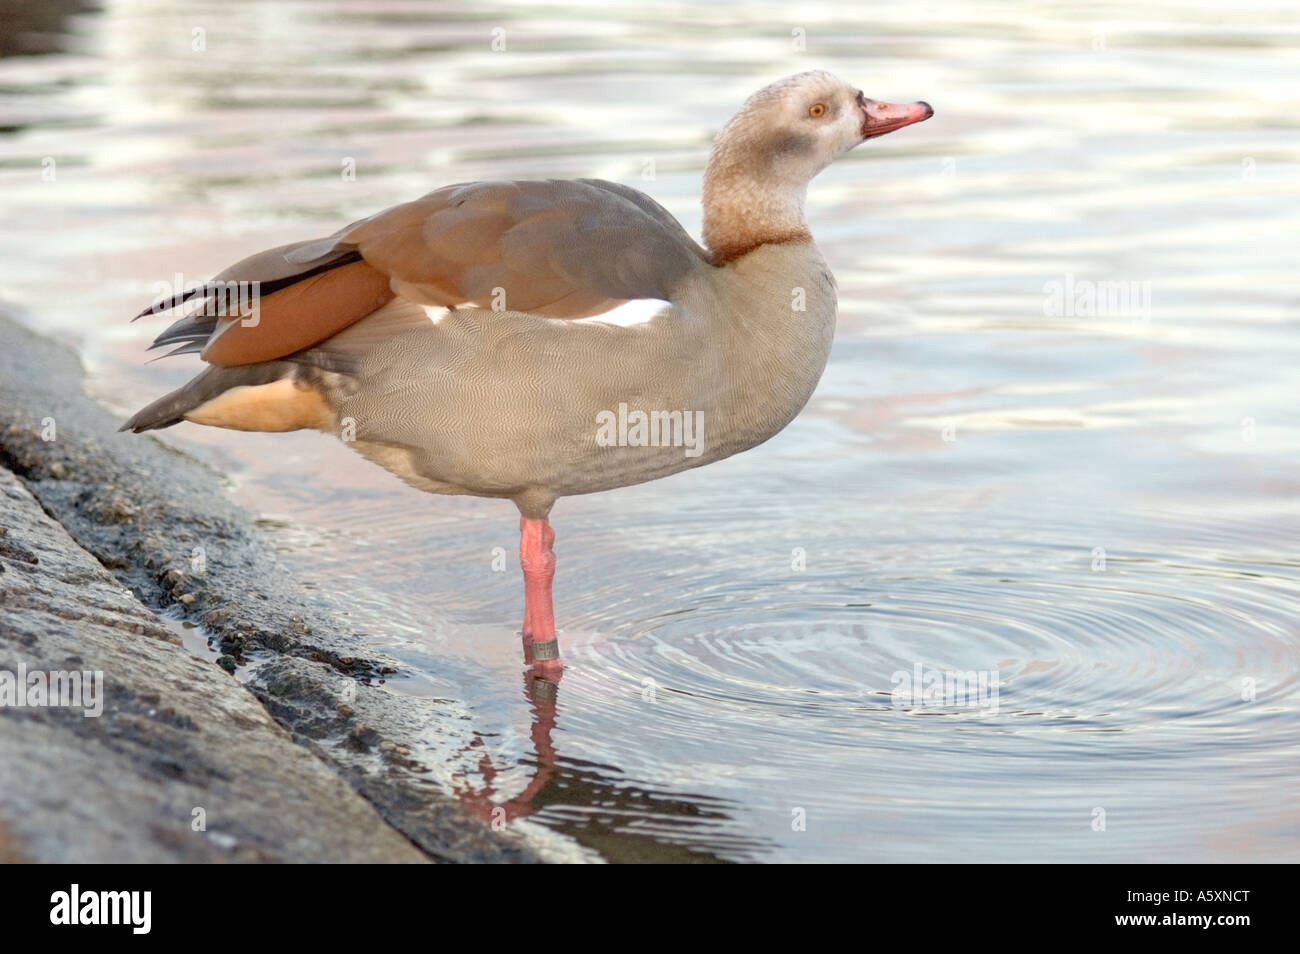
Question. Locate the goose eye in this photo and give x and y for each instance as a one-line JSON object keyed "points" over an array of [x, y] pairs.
{"points": [[817, 111]]}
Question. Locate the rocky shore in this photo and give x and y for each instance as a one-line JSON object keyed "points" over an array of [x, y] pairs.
{"points": [[300, 759]]}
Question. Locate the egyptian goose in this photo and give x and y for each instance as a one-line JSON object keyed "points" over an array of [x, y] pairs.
{"points": [[457, 340]]}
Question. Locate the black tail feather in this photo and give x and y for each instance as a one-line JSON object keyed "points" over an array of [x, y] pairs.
{"points": [[210, 289], [212, 381]]}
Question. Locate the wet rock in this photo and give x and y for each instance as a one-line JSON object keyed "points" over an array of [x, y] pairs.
{"points": [[177, 754], [142, 509]]}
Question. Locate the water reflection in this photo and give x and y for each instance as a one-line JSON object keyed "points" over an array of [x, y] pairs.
{"points": [[624, 820]]}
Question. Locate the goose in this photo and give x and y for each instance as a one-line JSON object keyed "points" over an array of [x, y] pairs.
{"points": [[466, 341]]}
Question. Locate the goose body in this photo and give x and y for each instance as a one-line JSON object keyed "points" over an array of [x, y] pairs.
{"points": [[464, 340], [495, 419]]}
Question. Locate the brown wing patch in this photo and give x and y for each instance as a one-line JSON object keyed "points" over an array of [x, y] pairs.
{"points": [[278, 406], [301, 315], [564, 249]]}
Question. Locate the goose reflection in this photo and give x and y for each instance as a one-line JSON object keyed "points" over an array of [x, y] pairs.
{"points": [[596, 804]]}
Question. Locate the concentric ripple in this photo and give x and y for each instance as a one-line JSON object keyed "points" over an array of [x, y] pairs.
{"points": [[1116, 689]]}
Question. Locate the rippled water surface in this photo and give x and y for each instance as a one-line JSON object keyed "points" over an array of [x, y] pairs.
{"points": [[1098, 511]]}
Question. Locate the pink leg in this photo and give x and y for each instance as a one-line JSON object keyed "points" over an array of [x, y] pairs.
{"points": [[538, 562]]}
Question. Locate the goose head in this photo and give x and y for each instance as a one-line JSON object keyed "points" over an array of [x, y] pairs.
{"points": [[784, 134]]}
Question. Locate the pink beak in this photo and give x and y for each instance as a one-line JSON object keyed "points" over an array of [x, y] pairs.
{"points": [[881, 118]]}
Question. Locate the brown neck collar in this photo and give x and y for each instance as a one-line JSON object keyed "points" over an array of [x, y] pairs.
{"points": [[726, 253]]}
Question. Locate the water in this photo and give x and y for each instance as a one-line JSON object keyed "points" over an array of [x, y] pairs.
{"points": [[1098, 511]]}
